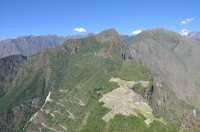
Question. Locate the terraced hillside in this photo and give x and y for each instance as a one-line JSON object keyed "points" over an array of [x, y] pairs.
{"points": [[73, 104], [100, 83]]}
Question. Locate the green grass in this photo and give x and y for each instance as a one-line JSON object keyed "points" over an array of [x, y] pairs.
{"points": [[133, 71]]}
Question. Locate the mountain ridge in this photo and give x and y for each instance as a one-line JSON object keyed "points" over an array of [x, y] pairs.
{"points": [[66, 82], [28, 45]]}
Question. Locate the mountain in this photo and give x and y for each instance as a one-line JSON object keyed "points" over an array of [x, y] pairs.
{"points": [[194, 35], [109, 83], [173, 60], [28, 45], [169, 54]]}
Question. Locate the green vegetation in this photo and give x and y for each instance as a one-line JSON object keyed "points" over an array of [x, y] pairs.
{"points": [[76, 82], [133, 71]]}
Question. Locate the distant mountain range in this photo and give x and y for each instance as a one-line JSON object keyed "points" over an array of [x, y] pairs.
{"points": [[28, 45], [194, 35], [101, 82]]}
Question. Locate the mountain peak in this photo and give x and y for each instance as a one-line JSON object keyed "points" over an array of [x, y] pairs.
{"points": [[109, 35], [160, 34], [111, 31], [157, 31]]}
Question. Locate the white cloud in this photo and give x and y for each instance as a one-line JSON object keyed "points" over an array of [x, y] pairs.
{"points": [[187, 21], [137, 32], [80, 29], [184, 32]]}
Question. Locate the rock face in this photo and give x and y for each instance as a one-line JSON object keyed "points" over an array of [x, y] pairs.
{"points": [[28, 45], [174, 61], [18, 104], [9, 66], [12, 119]]}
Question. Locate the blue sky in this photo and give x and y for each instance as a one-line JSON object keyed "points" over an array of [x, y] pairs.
{"points": [[39, 17]]}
